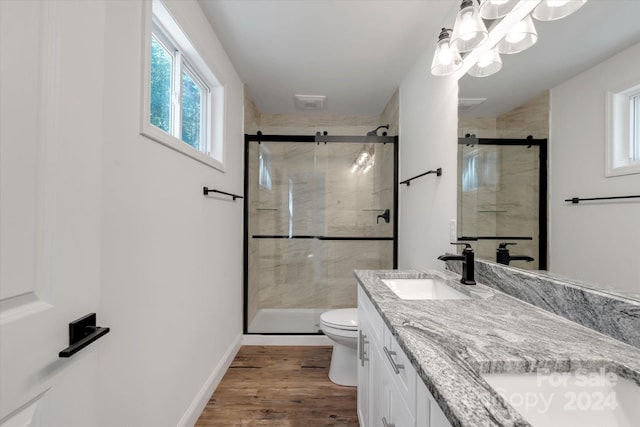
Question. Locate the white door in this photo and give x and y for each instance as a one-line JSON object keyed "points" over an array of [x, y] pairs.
{"points": [[50, 125]]}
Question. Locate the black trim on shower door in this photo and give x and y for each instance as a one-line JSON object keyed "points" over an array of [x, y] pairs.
{"points": [[396, 152], [245, 297], [542, 206], [280, 138]]}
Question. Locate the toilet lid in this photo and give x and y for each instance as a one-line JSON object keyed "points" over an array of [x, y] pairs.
{"points": [[344, 318]]}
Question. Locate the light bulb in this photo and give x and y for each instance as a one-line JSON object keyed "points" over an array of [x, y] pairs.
{"points": [[488, 64], [550, 10], [496, 9], [467, 31], [445, 56], [517, 33], [445, 60], [485, 61], [522, 36]]}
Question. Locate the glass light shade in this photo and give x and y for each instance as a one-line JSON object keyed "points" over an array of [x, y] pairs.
{"points": [[489, 63], [550, 10], [445, 60], [519, 38], [495, 9], [469, 31]]}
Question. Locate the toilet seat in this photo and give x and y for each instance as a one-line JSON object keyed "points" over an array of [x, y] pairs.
{"points": [[345, 319]]}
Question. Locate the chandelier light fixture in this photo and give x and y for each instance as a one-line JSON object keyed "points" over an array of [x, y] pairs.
{"points": [[511, 31], [446, 60]]}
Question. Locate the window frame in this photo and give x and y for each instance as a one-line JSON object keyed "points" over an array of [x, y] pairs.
{"points": [[205, 106], [634, 147], [159, 22], [620, 132]]}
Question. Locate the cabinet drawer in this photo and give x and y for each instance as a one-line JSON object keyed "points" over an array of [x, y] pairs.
{"points": [[405, 375]]}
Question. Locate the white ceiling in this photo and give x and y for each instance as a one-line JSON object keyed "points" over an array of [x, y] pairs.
{"points": [[356, 52]]}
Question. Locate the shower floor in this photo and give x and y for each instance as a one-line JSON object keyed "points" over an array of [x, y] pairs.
{"points": [[286, 321]]}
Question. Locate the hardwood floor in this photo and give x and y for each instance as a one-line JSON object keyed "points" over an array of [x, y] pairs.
{"points": [[280, 386]]}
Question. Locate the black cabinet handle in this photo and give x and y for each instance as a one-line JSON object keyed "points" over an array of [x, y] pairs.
{"points": [[82, 332]]}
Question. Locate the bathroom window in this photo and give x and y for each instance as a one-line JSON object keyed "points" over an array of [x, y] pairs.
{"points": [[635, 123], [479, 170], [623, 131], [183, 101]]}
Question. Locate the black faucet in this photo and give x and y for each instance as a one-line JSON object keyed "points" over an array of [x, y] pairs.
{"points": [[385, 215], [504, 257], [467, 259]]}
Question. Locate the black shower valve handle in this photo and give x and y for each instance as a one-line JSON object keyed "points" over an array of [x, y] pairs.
{"points": [[504, 245], [386, 215]]}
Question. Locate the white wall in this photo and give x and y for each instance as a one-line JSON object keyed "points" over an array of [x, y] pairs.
{"points": [[428, 140], [172, 259], [595, 242]]}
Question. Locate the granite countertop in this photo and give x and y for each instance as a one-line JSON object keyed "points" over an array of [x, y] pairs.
{"points": [[451, 342]]}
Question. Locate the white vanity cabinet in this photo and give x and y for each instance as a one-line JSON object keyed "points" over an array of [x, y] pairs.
{"points": [[390, 393]]}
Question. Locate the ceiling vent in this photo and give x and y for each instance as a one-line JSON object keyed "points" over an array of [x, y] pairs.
{"points": [[311, 102], [466, 104]]}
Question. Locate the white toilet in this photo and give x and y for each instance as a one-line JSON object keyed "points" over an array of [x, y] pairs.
{"points": [[341, 326]]}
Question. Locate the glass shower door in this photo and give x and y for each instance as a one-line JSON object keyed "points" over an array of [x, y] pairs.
{"points": [[500, 197], [357, 189], [311, 220]]}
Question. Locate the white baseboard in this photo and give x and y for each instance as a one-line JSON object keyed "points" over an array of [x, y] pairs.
{"points": [[196, 407], [286, 340]]}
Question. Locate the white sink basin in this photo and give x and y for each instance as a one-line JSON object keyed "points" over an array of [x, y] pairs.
{"points": [[414, 289], [585, 399]]}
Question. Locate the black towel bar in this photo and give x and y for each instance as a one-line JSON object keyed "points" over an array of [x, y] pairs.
{"points": [[576, 200], [438, 172], [207, 190]]}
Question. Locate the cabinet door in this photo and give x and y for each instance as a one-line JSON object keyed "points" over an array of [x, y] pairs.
{"points": [[363, 367], [396, 413], [376, 385], [428, 412]]}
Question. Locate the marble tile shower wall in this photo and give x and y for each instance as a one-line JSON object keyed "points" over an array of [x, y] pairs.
{"points": [[314, 193]]}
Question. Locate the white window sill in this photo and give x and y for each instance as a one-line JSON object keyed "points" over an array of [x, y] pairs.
{"points": [[623, 170], [174, 143]]}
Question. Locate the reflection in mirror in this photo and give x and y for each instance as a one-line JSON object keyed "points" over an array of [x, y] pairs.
{"points": [[501, 194], [563, 77]]}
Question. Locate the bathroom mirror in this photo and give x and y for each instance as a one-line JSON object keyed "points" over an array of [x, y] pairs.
{"points": [[514, 103]]}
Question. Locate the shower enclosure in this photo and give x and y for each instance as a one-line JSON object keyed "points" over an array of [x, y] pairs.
{"points": [[317, 208], [502, 198]]}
